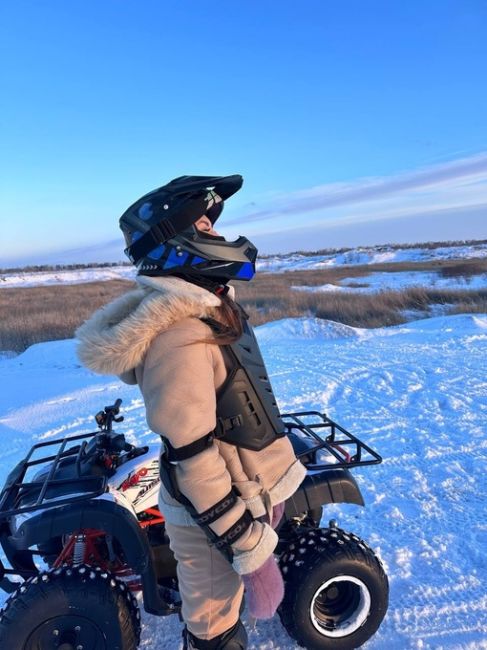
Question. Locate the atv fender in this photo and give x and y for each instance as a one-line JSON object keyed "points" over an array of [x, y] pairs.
{"points": [[108, 516], [321, 488]]}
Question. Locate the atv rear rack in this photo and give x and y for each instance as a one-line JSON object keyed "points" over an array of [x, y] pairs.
{"points": [[39, 492], [338, 448]]}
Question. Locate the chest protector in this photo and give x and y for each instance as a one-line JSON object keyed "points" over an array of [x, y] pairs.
{"points": [[247, 413]]}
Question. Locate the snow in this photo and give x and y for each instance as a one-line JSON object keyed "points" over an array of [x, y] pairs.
{"points": [[369, 255], [274, 264], [400, 280], [77, 276], [303, 329], [417, 393]]}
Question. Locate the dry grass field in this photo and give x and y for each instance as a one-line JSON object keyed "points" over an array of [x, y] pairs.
{"points": [[33, 314], [269, 298], [46, 313]]}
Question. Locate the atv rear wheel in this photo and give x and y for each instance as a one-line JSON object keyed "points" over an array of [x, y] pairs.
{"points": [[336, 591], [71, 608]]}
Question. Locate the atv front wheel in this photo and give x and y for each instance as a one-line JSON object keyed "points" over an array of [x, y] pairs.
{"points": [[336, 591], [71, 608]]}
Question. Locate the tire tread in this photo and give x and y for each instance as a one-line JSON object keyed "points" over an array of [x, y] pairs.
{"points": [[67, 578], [329, 546]]}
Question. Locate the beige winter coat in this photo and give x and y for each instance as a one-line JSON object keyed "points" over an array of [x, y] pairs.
{"points": [[153, 336]]}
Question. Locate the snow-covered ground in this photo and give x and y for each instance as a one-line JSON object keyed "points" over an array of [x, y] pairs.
{"points": [[416, 392], [369, 255], [275, 264], [400, 280], [78, 276]]}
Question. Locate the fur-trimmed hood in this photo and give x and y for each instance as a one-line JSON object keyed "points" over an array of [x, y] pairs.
{"points": [[116, 337]]}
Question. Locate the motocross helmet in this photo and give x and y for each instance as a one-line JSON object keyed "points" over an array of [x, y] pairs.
{"points": [[161, 237]]}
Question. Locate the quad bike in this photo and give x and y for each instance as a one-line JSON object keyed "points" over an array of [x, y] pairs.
{"points": [[80, 526]]}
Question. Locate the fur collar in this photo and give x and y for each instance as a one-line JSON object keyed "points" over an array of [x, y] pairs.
{"points": [[116, 337]]}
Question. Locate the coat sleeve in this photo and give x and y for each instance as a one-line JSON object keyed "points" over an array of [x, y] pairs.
{"points": [[180, 397]]}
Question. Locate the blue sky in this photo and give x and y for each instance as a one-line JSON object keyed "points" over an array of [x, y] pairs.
{"points": [[352, 122]]}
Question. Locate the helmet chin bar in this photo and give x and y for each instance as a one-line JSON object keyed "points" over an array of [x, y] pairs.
{"points": [[215, 285]]}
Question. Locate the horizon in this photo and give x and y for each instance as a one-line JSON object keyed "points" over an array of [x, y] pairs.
{"points": [[307, 253]]}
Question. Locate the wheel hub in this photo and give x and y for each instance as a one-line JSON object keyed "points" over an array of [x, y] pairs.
{"points": [[67, 633], [332, 593], [340, 606]]}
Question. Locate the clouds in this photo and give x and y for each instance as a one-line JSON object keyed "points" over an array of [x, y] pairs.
{"points": [[459, 183], [434, 203], [449, 224]]}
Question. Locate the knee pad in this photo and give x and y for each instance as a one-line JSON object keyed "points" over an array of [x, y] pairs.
{"points": [[233, 639]]}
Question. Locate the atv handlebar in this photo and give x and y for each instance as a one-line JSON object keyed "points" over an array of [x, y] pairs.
{"points": [[105, 418]]}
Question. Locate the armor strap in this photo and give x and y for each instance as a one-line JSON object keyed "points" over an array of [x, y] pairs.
{"points": [[217, 510], [177, 454], [235, 532], [223, 542]]}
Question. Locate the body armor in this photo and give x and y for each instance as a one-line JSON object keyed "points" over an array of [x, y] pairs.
{"points": [[246, 407]]}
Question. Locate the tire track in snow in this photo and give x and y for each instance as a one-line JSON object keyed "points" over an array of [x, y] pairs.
{"points": [[423, 406]]}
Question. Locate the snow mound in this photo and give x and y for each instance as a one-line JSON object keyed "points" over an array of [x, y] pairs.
{"points": [[318, 329], [299, 329], [51, 354], [458, 323]]}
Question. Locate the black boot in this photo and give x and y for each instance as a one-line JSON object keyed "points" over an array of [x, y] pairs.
{"points": [[233, 639]]}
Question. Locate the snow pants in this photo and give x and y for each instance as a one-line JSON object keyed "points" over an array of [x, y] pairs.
{"points": [[211, 591]]}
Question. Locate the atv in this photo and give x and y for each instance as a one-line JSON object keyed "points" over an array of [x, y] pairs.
{"points": [[80, 526]]}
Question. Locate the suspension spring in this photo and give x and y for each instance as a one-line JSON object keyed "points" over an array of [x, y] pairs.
{"points": [[79, 549]]}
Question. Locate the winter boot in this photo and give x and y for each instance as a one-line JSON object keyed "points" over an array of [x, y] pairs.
{"points": [[233, 639]]}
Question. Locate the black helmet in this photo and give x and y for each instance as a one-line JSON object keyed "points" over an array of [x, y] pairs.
{"points": [[162, 240]]}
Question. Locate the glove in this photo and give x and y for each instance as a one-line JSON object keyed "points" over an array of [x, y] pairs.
{"points": [[277, 512], [264, 589]]}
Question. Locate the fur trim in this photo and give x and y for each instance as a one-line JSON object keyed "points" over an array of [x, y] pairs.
{"points": [[248, 561], [178, 287], [256, 506], [116, 337], [289, 483]]}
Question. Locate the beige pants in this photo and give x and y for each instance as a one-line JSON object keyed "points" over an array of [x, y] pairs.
{"points": [[211, 591]]}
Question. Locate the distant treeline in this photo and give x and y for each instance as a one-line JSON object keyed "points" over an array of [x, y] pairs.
{"points": [[430, 245], [34, 268]]}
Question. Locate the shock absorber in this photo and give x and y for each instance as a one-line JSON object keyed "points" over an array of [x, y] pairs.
{"points": [[79, 549]]}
